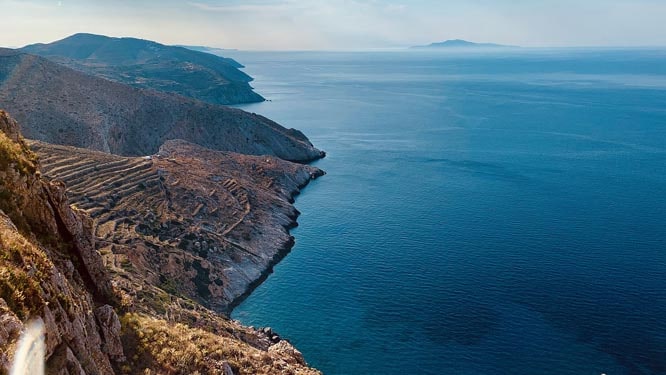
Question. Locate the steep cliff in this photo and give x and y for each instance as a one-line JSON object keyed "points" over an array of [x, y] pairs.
{"points": [[59, 105], [49, 267], [50, 270]]}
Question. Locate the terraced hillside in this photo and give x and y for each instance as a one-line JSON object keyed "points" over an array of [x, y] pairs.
{"points": [[59, 105], [188, 221]]}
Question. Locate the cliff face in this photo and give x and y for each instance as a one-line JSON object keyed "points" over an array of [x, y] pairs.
{"points": [[50, 270], [146, 64], [49, 267], [59, 105]]}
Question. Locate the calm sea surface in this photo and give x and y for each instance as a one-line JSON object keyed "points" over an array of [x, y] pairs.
{"points": [[482, 214]]}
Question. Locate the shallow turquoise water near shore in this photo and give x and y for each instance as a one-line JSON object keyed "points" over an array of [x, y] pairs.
{"points": [[482, 214]]}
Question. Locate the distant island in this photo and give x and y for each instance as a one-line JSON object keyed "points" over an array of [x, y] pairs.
{"points": [[459, 43]]}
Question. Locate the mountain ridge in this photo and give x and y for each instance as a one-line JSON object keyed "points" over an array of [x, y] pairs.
{"points": [[147, 64]]}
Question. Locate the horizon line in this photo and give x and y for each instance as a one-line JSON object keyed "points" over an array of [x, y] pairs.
{"points": [[413, 47]]}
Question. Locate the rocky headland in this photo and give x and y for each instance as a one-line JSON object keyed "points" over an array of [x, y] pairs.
{"points": [[76, 262], [187, 221]]}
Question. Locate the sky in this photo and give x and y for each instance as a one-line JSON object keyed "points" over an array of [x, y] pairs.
{"points": [[341, 24]]}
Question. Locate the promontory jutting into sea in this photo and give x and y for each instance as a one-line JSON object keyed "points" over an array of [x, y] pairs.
{"points": [[332, 187]]}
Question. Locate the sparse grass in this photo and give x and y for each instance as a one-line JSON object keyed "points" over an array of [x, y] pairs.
{"points": [[22, 265], [8, 205], [18, 155], [169, 285], [174, 348], [21, 292]]}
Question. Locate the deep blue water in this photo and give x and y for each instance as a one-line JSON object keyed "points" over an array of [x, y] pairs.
{"points": [[483, 214]]}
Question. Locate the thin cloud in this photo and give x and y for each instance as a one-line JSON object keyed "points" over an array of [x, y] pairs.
{"points": [[396, 7], [243, 8], [29, 5]]}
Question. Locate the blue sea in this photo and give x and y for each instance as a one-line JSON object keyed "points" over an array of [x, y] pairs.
{"points": [[484, 213]]}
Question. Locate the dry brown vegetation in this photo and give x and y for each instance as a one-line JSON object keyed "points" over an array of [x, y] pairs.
{"points": [[160, 347], [13, 153], [22, 265]]}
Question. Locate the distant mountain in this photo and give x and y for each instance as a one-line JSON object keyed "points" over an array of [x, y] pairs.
{"points": [[459, 43], [145, 64], [60, 105]]}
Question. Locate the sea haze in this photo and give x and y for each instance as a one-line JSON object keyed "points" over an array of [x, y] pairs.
{"points": [[494, 213]]}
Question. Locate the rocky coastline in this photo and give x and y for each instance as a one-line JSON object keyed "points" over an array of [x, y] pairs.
{"points": [[98, 290], [283, 249]]}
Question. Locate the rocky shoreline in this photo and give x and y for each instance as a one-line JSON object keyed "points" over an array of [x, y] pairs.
{"points": [[283, 250]]}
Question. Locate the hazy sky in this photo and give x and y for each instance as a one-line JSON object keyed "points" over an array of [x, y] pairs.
{"points": [[341, 24]]}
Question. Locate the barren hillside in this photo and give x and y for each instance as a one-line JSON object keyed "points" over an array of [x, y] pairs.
{"points": [[59, 105]]}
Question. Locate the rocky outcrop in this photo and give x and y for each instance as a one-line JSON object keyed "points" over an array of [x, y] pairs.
{"points": [[59, 105], [78, 229], [10, 329]]}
